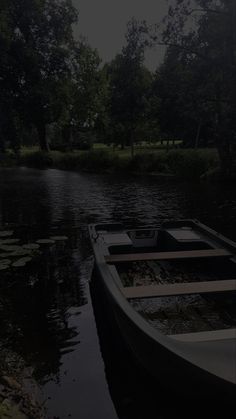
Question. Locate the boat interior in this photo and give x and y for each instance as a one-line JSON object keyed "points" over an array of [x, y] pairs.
{"points": [[180, 278]]}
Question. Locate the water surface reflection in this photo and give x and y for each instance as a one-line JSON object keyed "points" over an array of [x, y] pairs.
{"points": [[46, 312]]}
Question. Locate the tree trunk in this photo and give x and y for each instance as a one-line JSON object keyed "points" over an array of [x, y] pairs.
{"points": [[223, 147], [2, 146], [132, 143], [43, 142], [198, 134], [223, 142], [122, 145]]}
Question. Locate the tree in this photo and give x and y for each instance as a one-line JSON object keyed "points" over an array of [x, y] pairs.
{"points": [[129, 84], [89, 89], [38, 47], [181, 106], [204, 37], [85, 110]]}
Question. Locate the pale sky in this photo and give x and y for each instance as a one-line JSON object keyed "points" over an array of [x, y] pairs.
{"points": [[103, 23]]}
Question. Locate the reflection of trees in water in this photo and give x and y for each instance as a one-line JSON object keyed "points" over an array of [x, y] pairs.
{"points": [[35, 313], [24, 202]]}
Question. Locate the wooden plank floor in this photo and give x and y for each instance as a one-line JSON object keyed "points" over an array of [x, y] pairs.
{"points": [[179, 289], [190, 254]]}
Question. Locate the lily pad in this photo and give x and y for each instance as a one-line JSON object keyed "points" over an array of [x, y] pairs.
{"points": [[6, 248], [59, 238], [9, 241], [31, 246], [45, 241], [26, 259], [3, 267], [5, 262], [5, 255], [21, 252], [6, 233], [20, 263]]}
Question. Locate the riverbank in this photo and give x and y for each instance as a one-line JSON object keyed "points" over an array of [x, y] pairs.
{"points": [[183, 163], [18, 390]]}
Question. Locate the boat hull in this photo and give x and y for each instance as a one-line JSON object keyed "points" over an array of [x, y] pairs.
{"points": [[169, 369], [173, 363]]}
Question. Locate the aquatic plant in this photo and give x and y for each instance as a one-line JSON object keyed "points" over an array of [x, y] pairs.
{"points": [[45, 241], [18, 255], [59, 238], [6, 233], [21, 262]]}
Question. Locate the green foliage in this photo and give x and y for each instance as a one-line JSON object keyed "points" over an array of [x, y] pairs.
{"points": [[196, 84], [53, 85], [37, 46], [7, 159], [4, 411], [129, 85], [191, 164], [185, 164], [37, 159], [98, 161], [88, 86], [149, 162], [47, 79]]}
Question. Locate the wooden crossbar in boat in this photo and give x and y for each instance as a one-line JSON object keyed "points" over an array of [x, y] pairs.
{"points": [[189, 254], [211, 335], [179, 289]]}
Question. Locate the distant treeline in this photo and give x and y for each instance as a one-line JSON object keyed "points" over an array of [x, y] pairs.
{"points": [[55, 91]]}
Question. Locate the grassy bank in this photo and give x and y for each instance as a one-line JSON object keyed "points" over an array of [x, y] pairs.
{"points": [[188, 164]]}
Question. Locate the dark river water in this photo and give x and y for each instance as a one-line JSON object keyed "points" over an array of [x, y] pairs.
{"points": [[51, 314]]}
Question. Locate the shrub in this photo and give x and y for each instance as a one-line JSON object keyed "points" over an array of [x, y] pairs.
{"points": [[100, 161], [187, 164], [147, 163], [191, 164], [8, 159], [37, 159]]}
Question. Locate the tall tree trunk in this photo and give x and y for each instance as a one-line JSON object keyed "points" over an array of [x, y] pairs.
{"points": [[2, 145], [132, 143], [198, 134], [223, 142], [43, 142], [122, 146], [224, 152]]}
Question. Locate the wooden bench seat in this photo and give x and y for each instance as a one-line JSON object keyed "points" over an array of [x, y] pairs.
{"points": [[189, 254], [211, 335], [179, 289]]}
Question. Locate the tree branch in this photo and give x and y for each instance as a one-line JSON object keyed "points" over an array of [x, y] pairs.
{"points": [[184, 48]]}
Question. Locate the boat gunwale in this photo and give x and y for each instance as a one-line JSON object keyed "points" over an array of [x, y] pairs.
{"points": [[182, 349]]}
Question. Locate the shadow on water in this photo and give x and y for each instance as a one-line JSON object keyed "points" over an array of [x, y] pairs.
{"points": [[135, 394], [34, 311]]}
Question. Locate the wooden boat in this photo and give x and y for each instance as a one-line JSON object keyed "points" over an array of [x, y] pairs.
{"points": [[172, 293]]}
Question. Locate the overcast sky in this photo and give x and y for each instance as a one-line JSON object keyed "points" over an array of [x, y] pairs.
{"points": [[103, 23]]}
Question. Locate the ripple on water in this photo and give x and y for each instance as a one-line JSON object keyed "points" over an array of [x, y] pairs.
{"points": [[50, 322]]}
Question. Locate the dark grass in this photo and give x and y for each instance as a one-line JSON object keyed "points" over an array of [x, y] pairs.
{"points": [[182, 163]]}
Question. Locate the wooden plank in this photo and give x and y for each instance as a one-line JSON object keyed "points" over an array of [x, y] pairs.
{"points": [[179, 289], [189, 254], [208, 336]]}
